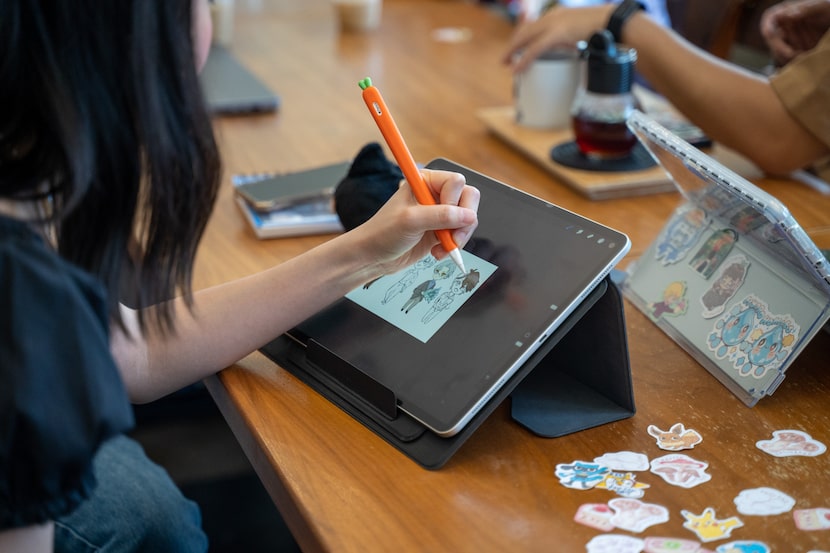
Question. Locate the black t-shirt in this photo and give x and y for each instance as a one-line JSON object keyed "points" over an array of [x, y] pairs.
{"points": [[61, 395]]}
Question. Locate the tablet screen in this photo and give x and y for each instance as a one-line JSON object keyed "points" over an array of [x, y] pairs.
{"points": [[444, 342]]}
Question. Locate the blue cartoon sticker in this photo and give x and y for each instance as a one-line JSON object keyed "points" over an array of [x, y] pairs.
{"points": [[754, 340], [581, 475], [680, 235]]}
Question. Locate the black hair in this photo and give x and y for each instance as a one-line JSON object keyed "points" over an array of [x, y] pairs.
{"points": [[102, 120]]}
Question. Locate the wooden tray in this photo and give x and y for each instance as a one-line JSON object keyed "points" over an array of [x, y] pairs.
{"points": [[596, 185]]}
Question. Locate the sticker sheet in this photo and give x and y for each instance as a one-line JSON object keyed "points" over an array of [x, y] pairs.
{"points": [[424, 296]]}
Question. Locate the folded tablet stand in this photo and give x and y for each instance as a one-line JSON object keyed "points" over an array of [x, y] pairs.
{"points": [[578, 379]]}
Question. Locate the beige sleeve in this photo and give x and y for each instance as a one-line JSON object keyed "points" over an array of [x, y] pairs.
{"points": [[803, 85]]}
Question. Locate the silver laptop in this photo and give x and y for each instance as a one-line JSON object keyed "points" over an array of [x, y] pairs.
{"points": [[230, 88], [732, 277]]}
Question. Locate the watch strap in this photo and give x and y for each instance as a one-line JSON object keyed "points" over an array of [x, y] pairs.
{"points": [[620, 15]]}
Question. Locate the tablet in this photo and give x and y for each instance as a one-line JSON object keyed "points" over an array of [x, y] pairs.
{"points": [[732, 277], [282, 190], [443, 342]]}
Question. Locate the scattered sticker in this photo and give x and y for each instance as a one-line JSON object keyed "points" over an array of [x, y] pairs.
{"points": [[743, 547], [708, 527], [787, 443], [614, 543], [635, 516], [812, 519], [670, 545], [763, 501], [626, 461], [580, 475], [623, 484], [595, 515], [680, 470], [675, 438]]}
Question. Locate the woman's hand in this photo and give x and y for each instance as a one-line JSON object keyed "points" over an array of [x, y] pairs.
{"points": [[401, 232]]}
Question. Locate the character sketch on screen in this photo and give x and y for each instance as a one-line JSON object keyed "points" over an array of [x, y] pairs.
{"points": [[408, 278], [428, 289], [754, 340], [673, 303], [462, 284], [681, 234]]}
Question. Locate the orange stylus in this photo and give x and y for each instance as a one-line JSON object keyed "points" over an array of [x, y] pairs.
{"points": [[389, 130]]}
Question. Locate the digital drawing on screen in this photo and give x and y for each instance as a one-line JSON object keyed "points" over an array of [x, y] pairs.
{"points": [[424, 296]]}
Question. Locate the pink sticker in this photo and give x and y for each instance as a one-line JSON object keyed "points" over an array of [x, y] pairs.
{"points": [[595, 515], [788, 443], [812, 519], [680, 470], [635, 516], [670, 545], [707, 527], [675, 438]]}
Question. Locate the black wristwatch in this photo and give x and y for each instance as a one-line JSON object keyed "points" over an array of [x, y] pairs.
{"points": [[626, 9]]}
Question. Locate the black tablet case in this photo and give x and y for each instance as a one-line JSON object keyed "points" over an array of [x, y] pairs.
{"points": [[579, 378]]}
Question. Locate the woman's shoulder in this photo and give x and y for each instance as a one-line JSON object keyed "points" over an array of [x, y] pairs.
{"points": [[60, 391]]}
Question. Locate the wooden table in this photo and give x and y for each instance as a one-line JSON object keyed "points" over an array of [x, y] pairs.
{"points": [[342, 488]]}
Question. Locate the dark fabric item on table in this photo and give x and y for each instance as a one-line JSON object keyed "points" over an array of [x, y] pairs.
{"points": [[370, 182]]}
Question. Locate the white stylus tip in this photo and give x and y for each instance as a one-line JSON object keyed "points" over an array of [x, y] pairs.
{"points": [[456, 256]]}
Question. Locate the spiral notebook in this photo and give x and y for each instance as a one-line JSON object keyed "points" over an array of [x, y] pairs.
{"points": [[732, 277]]}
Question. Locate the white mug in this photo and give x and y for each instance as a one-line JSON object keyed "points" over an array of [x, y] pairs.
{"points": [[545, 90], [358, 15]]}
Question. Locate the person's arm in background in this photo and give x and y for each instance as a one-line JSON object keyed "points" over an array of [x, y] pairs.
{"points": [[732, 105], [792, 28]]}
